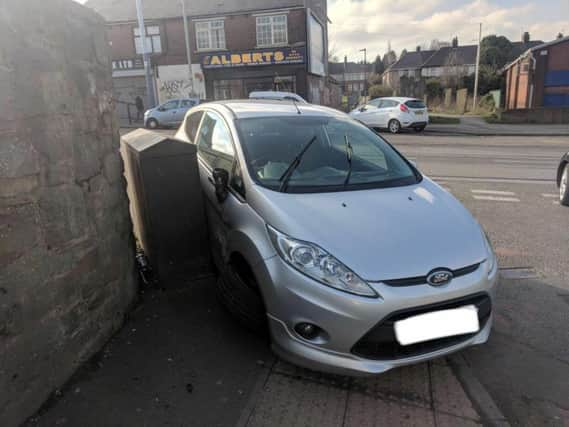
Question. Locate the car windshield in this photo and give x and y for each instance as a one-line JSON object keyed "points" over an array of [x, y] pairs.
{"points": [[415, 103], [342, 155]]}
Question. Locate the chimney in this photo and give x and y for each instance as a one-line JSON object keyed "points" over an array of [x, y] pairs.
{"points": [[418, 49]]}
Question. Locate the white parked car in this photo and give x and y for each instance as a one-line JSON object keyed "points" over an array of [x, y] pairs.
{"points": [[393, 114]]}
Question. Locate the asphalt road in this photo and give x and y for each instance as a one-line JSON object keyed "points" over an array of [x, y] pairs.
{"points": [[508, 184]]}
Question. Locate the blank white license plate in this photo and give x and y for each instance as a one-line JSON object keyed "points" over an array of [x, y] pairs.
{"points": [[437, 324]]}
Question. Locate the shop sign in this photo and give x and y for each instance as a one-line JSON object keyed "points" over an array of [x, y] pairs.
{"points": [[277, 56]]}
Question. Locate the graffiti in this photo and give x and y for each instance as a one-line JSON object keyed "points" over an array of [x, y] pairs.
{"points": [[174, 88]]}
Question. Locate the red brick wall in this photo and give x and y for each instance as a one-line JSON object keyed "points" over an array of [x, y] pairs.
{"points": [[121, 39], [240, 34], [241, 30]]}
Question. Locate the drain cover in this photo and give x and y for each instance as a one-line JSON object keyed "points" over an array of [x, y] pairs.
{"points": [[518, 273]]}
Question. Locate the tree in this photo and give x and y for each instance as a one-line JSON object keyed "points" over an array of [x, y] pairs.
{"points": [[333, 54], [377, 91], [389, 58], [378, 67], [560, 36], [495, 51], [403, 53], [433, 88], [455, 41], [525, 37]]}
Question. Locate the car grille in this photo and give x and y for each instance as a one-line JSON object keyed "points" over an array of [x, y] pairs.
{"points": [[380, 342], [422, 280]]}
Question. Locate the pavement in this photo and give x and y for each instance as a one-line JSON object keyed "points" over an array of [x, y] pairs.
{"points": [[181, 360], [476, 126]]}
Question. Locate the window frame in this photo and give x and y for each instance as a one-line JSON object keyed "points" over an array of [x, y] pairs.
{"points": [[149, 37], [188, 123], [212, 152], [210, 38], [271, 24]]}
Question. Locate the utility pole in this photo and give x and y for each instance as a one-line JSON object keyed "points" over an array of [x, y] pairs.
{"points": [[188, 48], [477, 69], [145, 56], [364, 50]]}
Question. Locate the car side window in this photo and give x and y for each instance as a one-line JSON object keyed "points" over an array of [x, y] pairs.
{"points": [[170, 105], [374, 102], [390, 103], [214, 142], [381, 103], [192, 125], [187, 103]]}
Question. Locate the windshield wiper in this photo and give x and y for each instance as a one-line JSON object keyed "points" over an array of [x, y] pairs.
{"points": [[349, 154], [285, 177]]}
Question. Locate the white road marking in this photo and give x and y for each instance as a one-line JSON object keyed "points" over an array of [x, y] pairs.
{"points": [[496, 199], [494, 180], [528, 161], [494, 192], [550, 195]]}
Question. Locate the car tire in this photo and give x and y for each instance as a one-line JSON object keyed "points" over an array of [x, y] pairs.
{"points": [[419, 129], [242, 298], [152, 124], [564, 187], [394, 126]]}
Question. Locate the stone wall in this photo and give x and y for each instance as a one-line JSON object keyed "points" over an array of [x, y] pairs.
{"points": [[66, 252]]}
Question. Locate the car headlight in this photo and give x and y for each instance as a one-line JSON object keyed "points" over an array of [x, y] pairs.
{"points": [[318, 264], [490, 251]]}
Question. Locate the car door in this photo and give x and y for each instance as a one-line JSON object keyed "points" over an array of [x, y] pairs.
{"points": [[388, 111], [370, 113], [215, 150], [185, 105], [168, 111]]}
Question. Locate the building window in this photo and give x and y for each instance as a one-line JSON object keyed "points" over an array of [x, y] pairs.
{"points": [[210, 34], [153, 42], [271, 30]]}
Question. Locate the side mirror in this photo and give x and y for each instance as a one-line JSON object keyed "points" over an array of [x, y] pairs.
{"points": [[220, 181], [161, 109], [362, 109]]}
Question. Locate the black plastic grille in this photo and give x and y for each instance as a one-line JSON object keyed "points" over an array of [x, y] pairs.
{"points": [[380, 342], [421, 280]]}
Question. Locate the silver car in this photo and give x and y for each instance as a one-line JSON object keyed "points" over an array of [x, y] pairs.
{"points": [[169, 113], [324, 233]]}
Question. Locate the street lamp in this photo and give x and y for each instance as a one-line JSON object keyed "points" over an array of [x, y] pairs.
{"points": [[145, 56], [364, 50], [188, 48]]}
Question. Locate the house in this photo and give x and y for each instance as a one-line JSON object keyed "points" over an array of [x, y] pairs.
{"points": [[539, 77], [450, 64], [408, 68], [351, 76], [236, 46]]}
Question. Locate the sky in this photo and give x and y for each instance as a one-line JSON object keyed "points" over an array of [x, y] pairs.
{"points": [[371, 24]]}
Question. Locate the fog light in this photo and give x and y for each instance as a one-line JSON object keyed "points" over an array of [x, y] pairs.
{"points": [[307, 330]]}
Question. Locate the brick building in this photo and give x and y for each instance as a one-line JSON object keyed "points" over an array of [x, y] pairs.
{"points": [[539, 77], [236, 47]]}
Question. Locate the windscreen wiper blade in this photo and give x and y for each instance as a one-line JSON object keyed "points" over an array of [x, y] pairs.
{"points": [[285, 177], [349, 154]]}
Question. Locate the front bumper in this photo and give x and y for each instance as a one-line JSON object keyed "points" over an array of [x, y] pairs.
{"points": [[292, 298]]}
